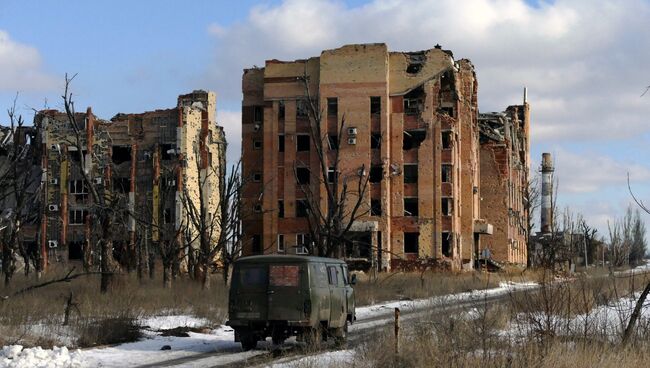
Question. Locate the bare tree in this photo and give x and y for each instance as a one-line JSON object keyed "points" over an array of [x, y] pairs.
{"points": [[330, 219], [531, 204]]}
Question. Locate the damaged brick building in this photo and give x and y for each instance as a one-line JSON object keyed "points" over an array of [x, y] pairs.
{"points": [[411, 118], [151, 160]]}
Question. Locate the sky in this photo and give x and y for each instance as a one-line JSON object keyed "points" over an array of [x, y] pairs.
{"points": [[585, 65]]}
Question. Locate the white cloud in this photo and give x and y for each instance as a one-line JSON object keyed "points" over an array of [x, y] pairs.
{"points": [[231, 123], [20, 67]]}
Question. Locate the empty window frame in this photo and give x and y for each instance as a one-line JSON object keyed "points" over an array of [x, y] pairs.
{"points": [[375, 207], [333, 141], [375, 140], [302, 175], [331, 175], [258, 114], [168, 218], [78, 187], [302, 109], [77, 217], [410, 206], [332, 106], [446, 139], [120, 154], [281, 243], [447, 173], [413, 102], [447, 111], [303, 142], [376, 174], [302, 243], [410, 173], [446, 244], [301, 208], [412, 243], [375, 105], [413, 139], [447, 206], [256, 246], [281, 110], [281, 208], [281, 143]]}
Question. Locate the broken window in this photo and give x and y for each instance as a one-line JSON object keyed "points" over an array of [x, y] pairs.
{"points": [[302, 243], [281, 208], [411, 243], [121, 154], [375, 140], [281, 110], [447, 171], [413, 102], [167, 216], [413, 138], [332, 106], [258, 114], [410, 173], [77, 217], [375, 207], [256, 244], [376, 174], [281, 243], [446, 244], [415, 62], [79, 189], [75, 156], [331, 175], [375, 105], [301, 109], [446, 140], [257, 177], [281, 143], [413, 68], [257, 145], [447, 206], [166, 151], [302, 142], [302, 175], [447, 111], [410, 206], [333, 141], [301, 208]]}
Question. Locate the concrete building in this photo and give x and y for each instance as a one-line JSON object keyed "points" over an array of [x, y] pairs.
{"points": [[150, 161], [504, 172], [410, 117]]}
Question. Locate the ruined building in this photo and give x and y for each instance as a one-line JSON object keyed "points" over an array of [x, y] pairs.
{"points": [[152, 161], [505, 165], [411, 121]]}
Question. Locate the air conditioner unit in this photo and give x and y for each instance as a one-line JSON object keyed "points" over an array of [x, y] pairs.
{"points": [[97, 180], [352, 141], [256, 127], [53, 207], [55, 147], [352, 131], [52, 243], [54, 181]]}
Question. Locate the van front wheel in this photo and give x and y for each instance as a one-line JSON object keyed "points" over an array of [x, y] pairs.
{"points": [[341, 335], [248, 341]]}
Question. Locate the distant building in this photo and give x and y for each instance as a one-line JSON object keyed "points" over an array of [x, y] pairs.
{"points": [[411, 118]]}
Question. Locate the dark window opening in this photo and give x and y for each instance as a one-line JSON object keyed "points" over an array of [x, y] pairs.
{"points": [[447, 111], [375, 105], [447, 171], [333, 141], [77, 217], [281, 208], [76, 157], [446, 244], [414, 68], [167, 216], [413, 102], [280, 242], [375, 140], [376, 174], [258, 114], [375, 207], [281, 110], [122, 185], [166, 151], [446, 140], [257, 244], [332, 106], [413, 139], [412, 243], [447, 206], [257, 145], [302, 142], [410, 206], [257, 177], [410, 173], [302, 175], [75, 250], [301, 208], [301, 109], [281, 143], [121, 154], [331, 175]]}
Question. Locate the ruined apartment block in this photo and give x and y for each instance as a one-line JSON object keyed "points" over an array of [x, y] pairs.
{"points": [[148, 159], [505, 166], [410, 117]]}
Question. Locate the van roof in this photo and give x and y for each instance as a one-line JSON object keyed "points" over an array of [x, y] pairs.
{"points": [[276, 258]]}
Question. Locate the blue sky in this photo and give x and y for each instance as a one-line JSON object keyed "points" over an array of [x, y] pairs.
{"points": [[585, 65]]}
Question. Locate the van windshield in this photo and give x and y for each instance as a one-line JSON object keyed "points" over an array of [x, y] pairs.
{"points": [[252, 276]]}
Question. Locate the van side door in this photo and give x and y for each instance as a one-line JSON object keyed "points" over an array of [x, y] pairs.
{"points": [[337, 296], [349, 294]]}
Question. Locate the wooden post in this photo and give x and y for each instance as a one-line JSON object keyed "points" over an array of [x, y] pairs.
{"points": [[396, 331]]}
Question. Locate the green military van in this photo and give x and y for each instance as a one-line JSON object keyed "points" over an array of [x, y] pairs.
{"points": [[286, 295]]}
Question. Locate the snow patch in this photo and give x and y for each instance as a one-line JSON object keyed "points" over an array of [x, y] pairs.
{"points": [[15, 356], [157, 323]]}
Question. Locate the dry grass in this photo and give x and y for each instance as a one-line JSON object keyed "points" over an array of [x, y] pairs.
{"points": [[36, 318]]}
